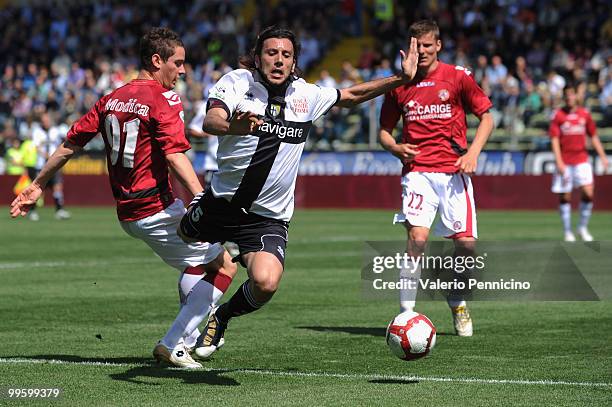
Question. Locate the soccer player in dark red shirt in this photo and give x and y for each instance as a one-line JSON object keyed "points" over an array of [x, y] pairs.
{"points": [[143, 129], [569, 129], [437, 160]]}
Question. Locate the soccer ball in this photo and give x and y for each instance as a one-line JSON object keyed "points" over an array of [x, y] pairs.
{"points": [[411, 335]]}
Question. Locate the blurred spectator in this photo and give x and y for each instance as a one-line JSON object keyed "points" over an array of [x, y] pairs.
{"points": [[605, 100], [496, 76], [49, 64], [325, 79], [531, 103], [14, 158]]}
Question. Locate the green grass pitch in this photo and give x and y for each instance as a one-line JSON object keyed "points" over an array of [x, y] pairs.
{"points": [[82, 305]]}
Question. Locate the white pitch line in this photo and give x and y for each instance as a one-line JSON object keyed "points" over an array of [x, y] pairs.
{"points": [[137, 260], [328, 375], [62, 263]]}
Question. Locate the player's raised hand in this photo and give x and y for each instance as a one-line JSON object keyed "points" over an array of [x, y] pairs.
{"points": [[405, 152], [243, 123], [467, 163], [410, 61], [22, 204]]}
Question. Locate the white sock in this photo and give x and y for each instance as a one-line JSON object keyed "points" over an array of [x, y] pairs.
{"points": [[565, 209], [186, 283], [585, 214], [456, 303], [190, 340], [196, 307], [407, 295]]}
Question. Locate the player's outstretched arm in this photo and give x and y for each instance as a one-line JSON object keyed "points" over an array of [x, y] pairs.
{"points": [[28, 197], [182, 169], [241, 123], [467, 163], [369, 90]]}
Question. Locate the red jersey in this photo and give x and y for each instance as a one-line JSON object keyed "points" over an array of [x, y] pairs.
{"points": [[433, 112], [140, 123], [572, 129]]}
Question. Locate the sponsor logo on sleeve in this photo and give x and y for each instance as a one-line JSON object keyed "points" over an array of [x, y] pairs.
{"points": [[172, 97], [218, 92], [299, 105], [461, 68]]}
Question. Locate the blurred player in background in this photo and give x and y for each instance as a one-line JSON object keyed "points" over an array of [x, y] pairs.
{"points": [[30, 157], [437, 161], [263, 115], [195, 130], [569, 129], [47, 138], [144, 136]]}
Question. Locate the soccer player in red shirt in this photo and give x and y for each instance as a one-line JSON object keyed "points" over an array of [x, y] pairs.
{"points": [[437, 161], [143, 129], [568, 133]]}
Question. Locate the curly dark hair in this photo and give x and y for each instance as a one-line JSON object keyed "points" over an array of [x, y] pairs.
{"points": [[159, 40]]}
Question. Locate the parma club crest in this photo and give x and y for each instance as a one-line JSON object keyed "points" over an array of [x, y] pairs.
{"points": [[275, 110]]}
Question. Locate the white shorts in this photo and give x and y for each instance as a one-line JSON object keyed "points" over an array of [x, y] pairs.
{"points": [[423, 193], [575, 176], [159, 232]]}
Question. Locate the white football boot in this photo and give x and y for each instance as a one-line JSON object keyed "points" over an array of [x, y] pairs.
{"points": [[569, 237], [585, 235], [462, 321], [62, 214], [178, 357]]}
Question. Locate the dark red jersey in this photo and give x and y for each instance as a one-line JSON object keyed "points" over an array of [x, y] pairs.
{"points": [[433, 112], [572, 129], [140, 123]]}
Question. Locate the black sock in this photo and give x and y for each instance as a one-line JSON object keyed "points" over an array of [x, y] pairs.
{"points": [[241, 303]]}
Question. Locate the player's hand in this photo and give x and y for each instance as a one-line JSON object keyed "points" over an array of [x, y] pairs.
{"points": [[405, 152], [561, 168], [410, 61], [604, 164], [25, 200], [243, 123], [467, 163]]}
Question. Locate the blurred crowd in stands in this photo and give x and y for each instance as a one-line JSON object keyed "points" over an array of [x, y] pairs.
{"points": [[59, 57], [522, 53]]}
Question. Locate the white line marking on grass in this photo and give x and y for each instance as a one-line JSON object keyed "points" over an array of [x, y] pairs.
{"points": [[328, 375], [136, 260], [61, 263]]}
